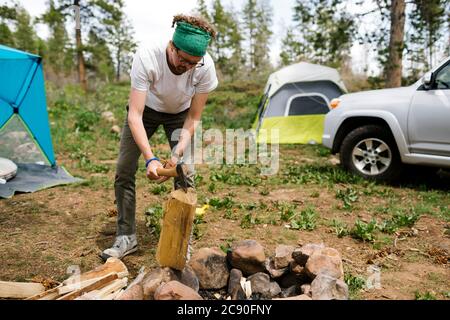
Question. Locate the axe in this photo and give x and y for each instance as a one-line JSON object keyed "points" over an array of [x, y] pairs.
{"points": [[180, 171]]}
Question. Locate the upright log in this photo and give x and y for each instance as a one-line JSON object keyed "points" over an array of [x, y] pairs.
{"points": [[179, 212]]}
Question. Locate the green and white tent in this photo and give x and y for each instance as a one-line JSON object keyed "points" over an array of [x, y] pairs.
{"points": [[295, 101]]}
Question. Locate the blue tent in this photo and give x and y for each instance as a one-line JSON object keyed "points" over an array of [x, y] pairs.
{"points": [[24, 125], [22, 92]]}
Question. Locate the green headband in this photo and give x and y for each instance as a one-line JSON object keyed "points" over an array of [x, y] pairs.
{"points": [[190, 39]]}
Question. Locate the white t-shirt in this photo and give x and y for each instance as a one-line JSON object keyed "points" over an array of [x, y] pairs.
{"points": [[168, 92]]}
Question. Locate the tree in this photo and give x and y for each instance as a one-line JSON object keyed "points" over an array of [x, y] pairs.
{"points": [[257, 21], [59, 53], [81, 12], [226, 49], [99, 59], [396, 44], [118, 33], [25, 37], [7, 15], [237, 60], [289, 49], [324, 33], [202, 9], [262, 43], [427, 20]]}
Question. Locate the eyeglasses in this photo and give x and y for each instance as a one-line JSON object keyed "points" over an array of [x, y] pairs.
{"points": [[187, 62]]}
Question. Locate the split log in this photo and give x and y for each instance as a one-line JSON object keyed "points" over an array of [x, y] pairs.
{"points": [[114, 287], [50, 294], [75, 286], [20, 290], [100, 283], [112, 265], [179, 211]]}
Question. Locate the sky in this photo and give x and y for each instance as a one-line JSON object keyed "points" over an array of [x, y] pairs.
{"points": [[152, 21]]}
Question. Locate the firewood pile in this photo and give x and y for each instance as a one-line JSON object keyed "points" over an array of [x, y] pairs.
{"points": [[106, 282]]}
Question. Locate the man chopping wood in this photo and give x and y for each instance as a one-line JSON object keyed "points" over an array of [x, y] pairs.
{"points": [[170, 83]]}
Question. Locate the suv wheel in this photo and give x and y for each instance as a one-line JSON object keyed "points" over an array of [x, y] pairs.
{"points": [[370, 151]]}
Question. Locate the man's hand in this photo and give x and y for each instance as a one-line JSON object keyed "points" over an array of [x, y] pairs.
{"points": [[169, 164], [151, 170]]}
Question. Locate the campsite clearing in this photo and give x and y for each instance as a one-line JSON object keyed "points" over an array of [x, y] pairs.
{"points": [[403, 228]]}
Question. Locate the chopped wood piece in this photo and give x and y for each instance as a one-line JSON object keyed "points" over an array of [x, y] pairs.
{"points": [[102, 282], [20, 290], [112, 265]]}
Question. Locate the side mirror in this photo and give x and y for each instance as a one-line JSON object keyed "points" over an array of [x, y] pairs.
{"points": [[427, 80]]}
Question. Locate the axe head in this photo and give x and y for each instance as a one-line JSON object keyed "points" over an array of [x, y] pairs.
{"points": [[182, 175]]}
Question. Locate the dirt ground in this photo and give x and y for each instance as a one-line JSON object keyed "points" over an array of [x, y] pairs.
{"points": [[44, 233]]}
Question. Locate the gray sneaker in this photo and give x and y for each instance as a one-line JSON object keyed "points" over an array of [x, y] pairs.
{"points": [[123, 246]]}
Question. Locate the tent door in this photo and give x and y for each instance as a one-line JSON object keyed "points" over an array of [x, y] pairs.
{"points": [[307, 104]]}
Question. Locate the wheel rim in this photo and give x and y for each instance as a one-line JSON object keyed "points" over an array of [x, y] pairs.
{"points": [[371, 157]]}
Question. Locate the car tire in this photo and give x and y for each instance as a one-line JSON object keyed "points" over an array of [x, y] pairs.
{"points": [[371, 152]]}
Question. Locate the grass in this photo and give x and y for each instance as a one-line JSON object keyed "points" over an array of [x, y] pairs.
{"points": [[355, 285], [425, 296]]}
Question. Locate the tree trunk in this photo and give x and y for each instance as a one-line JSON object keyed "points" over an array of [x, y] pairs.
{"points": [[118, 63], [79, 47], [396, 44]]}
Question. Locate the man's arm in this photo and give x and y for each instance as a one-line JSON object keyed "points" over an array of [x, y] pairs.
{"points": [[135, 113]]}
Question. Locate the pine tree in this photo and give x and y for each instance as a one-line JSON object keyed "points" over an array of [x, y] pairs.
{"points": [[226, 50], [250, 30], [237, 59], [7, 15], [6, 35], [262, 39], [118, 33], [202, 10], [289, 48], [59, 54], [257, 22], [25, 37], [323, 33], [99, 60], [427, 20]]}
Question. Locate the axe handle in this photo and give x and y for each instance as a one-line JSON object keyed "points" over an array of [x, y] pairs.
{"points": [[172, 172]]}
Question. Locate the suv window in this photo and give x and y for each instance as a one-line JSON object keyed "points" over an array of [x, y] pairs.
{"points": [[443, 78]]}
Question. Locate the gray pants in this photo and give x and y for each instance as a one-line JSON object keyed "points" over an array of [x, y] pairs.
{"points": [[127, 165]]}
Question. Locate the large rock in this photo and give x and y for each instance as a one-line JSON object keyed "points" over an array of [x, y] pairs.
{"points": [[290, 292], [210, 266], [283, 256], [291, 279], [296, 268], [326, 287], [175, 290], [108, 116], [301, 255], [262, 285], [135, 292], [326, 260], [234, 285], [247, 256], [305, 289], [274, 273], [154, 279]]}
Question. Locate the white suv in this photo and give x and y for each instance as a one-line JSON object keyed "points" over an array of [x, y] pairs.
{"points": [[376, 131]]}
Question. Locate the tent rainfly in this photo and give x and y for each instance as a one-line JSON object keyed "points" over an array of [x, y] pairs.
{"points": [[24, 126], [295, 101]]}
